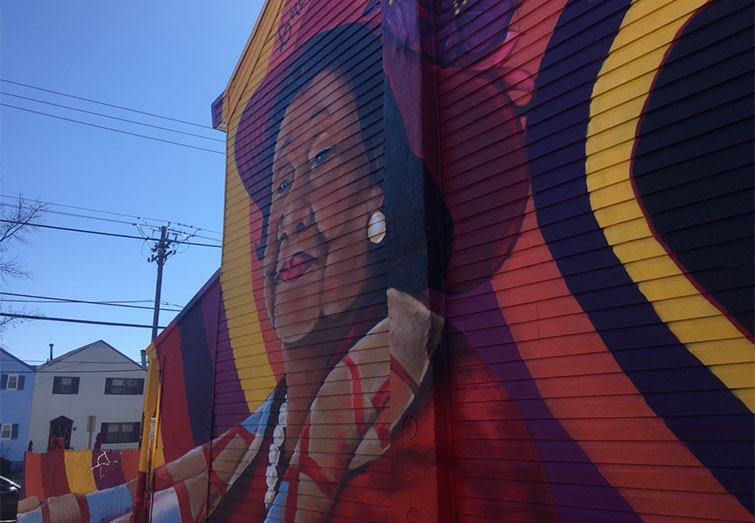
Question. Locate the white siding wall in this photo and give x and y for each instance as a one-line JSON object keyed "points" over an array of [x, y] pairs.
{"points": [[92, 366]]}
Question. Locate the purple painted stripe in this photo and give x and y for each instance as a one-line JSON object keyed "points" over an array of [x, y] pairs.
{"points": [[106, 469], [571, 486], [229, 386], [217, 112]]}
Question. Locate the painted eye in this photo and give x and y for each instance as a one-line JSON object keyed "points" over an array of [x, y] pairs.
{"points": [[322, 156], [283, 186]]}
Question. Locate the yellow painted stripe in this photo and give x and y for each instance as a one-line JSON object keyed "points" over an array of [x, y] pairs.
{"points": [[158, 454], [747, 396], [254, 58], [619, 96], [256, 375], [159, 459], [150, 406], [79, 471]]}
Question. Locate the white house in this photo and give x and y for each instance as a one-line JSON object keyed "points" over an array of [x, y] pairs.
{"points": [[89, 396]]}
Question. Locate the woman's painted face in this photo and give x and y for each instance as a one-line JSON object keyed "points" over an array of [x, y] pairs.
{"points": [[322, 196]]}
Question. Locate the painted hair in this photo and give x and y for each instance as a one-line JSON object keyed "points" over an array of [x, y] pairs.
{"points": [[356, 53]]}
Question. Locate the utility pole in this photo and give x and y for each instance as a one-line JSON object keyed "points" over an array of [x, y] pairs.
{"points": [[161, 252]]}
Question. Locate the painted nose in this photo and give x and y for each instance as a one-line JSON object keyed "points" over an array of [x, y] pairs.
{"points": [[296, 215]]}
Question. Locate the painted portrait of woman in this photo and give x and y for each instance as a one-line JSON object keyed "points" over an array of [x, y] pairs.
{"points": [[354, 328], [352, 310], [358, 337], [417, 317]]}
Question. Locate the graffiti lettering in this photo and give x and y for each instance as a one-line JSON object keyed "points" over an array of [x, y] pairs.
{"points": [[284, 29]]}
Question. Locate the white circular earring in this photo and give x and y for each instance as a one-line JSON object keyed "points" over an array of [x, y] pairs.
{"points": [[376, 227]]}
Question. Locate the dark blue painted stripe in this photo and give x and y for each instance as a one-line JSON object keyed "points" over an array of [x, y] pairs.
{"points": [[198, 372], [556, 146]]}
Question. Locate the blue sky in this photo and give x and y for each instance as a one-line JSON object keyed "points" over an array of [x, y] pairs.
{"points": [[169, 57]]}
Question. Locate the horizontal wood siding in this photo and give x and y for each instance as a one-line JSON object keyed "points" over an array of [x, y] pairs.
{"points": [[570, 401], [242, 355]]}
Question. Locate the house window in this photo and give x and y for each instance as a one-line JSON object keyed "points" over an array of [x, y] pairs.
{"points": [[124, 385], [120, 432], [9, 431], [12, 382], [65, 385]]}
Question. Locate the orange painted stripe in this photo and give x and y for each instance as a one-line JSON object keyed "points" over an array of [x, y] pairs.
{"points": [[33, 475], [618, 392], [130, 464]]}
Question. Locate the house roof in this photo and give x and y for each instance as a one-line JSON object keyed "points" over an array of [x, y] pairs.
{"points": [[100, 343], [11, 356]]}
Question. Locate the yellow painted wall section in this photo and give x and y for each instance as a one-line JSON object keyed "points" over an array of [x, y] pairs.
{"points": [[79, 471], [257, 380], [647, 32]]}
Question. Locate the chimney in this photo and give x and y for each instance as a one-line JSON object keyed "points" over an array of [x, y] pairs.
{"points": [[144, 359], [51, 344]]}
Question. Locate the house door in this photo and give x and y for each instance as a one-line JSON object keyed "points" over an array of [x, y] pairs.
{"points": [[61, 428]]}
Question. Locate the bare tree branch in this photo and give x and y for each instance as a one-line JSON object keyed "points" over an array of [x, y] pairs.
{"points": [[18, 219], [16, 222]]}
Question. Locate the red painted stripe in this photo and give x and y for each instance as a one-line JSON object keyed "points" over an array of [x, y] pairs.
{"points": [[292, 476], [161, 479], [175, 422], [184, 502], [83, 508], [401, 373], [383, 434], [308, 466], [54, 477], [382, 395], [217, 482], [356, 393], [45, 512], [138, 504]]}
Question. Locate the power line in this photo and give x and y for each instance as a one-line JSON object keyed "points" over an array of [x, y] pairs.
{"points": [[107, 104], [113, 129], [113, 234], [75, 302], [112, 117], [52, 299], [75, 320], [175, 231], [109, 212], [116, 221], [76, 215]]}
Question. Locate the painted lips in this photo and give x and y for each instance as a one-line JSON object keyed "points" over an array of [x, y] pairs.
{"points": [[296, 266]]}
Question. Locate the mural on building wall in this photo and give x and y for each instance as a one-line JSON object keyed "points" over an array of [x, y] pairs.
{"points": [[79, 485], [481, 258]]}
